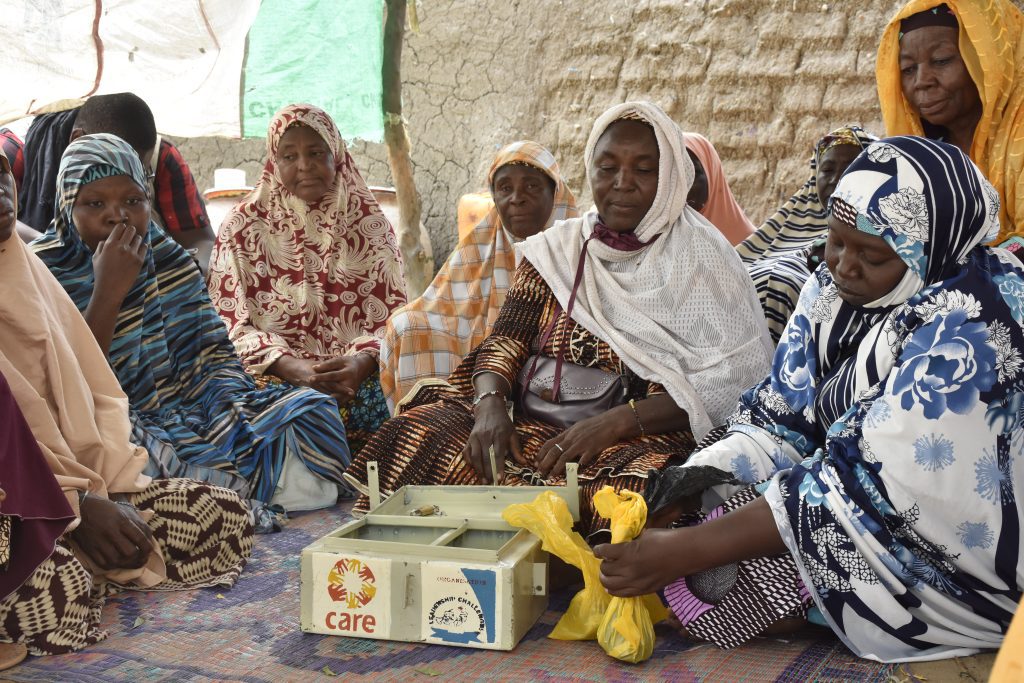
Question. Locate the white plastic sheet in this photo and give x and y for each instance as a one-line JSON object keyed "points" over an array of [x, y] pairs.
{"points": [[184, 57]]}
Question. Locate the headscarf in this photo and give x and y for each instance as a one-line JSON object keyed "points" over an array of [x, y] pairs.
{"points": [[992, 47], [679, 310], [904, 420], [846, 135], [721, 208], [895, 208], [430, 336], [66, 391], [172, 355], [776, 255], [308, 281], [802, 218], [940, 15], [34, 501]]}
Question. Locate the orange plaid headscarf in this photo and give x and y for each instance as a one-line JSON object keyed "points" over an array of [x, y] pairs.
{"points": [[992, 47], [430, 336]]}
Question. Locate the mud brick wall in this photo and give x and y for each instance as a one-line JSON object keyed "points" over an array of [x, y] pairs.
{"points": [[762, 79]]}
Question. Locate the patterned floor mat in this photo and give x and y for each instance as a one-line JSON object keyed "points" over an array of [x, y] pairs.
{"points": [[251, 633]]}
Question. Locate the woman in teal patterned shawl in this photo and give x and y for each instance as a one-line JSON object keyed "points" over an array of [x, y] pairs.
{"points": [[193, 406]]}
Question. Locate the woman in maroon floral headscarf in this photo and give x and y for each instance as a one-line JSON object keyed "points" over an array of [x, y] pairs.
{"points": [[306, 270]]}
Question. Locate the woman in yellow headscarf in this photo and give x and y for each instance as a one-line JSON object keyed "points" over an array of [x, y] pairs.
{"points": [[954, 71]]}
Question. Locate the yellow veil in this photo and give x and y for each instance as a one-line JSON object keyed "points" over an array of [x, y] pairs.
{"points": [[992, 47]]}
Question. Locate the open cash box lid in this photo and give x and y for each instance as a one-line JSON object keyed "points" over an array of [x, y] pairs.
{"points": [[443, 522], [465, 502]]}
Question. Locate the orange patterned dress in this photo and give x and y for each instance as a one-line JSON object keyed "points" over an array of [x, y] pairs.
{"points": [[423, 444]]}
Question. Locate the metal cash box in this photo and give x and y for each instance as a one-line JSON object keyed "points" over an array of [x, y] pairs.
{"points": [[432, 564]]}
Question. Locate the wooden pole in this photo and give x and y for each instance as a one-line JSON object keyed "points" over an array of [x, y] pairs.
{"points": [[413, 242]]}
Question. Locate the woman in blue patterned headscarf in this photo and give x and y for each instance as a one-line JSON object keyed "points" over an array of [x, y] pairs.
{"points": [[888, 436], [193, 406]]}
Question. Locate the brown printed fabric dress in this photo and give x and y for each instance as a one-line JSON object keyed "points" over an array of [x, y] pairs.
{"points": [[423, 444], [205, 538]]}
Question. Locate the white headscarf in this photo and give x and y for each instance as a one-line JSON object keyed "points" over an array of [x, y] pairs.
{"points": [[681, 311]]}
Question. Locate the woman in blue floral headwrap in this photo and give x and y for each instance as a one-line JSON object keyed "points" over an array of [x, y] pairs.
{"points": [[887, 438]]}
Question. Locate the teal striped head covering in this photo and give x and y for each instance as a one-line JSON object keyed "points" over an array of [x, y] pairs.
{"points": [[86, 160]]}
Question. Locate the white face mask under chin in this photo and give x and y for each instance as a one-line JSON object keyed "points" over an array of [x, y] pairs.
{"points": [[907, 287]]}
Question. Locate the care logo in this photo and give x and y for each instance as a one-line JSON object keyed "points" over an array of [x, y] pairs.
{"points": [[351, 581]]}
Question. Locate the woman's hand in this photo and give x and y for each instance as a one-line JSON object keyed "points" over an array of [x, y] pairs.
{"points": [[584, 441], [295, 371], [341, 376], [660, 556], [492, 428], [117, 262], [113, 535], [647, 564]]}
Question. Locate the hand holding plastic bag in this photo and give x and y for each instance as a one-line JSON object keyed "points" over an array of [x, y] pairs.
{"points": [[548, 518], [623, 626], [627, 630]]}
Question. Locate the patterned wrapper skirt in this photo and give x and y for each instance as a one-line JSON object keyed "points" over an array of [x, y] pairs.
{"points": [[732, 604], [203, 531], [423, 446]]}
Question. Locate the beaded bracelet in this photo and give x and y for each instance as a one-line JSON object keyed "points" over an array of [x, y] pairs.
{"points": [[494, 392], [632, 404]]}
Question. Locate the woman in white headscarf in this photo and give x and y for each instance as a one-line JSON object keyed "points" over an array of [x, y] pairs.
{"points": [[627, 334]]}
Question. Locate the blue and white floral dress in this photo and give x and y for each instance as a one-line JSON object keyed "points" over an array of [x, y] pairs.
{"points": [[889, 437]]}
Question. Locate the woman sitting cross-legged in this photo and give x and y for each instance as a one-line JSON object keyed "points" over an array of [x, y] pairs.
{"points": [[193, 406], [886, 439], [81, 518], [430, 336], [306, 271], [641, 307]]}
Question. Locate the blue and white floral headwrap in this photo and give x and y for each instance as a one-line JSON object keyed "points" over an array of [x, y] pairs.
{"points": [[926, 199], [894, 436]]}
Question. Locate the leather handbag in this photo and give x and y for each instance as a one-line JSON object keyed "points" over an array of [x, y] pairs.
{"points": [[563, 394], [583, 392]]}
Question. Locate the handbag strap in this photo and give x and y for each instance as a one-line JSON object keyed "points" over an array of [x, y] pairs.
{"points": [[557, 384]]}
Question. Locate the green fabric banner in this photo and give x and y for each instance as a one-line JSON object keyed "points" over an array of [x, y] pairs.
{"points": [[324, 52]]}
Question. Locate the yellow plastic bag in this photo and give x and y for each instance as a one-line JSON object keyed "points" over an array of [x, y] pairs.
{"points": [[623, 626], [548, 518], [627, 630]]}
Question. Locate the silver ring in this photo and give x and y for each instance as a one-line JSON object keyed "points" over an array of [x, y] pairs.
{"points": [[559, 447]]}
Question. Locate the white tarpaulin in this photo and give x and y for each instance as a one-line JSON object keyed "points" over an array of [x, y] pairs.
{"points": [[183, 57]]}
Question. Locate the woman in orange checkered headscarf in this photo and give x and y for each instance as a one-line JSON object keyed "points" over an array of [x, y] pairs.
{"points": [[430, 336]]}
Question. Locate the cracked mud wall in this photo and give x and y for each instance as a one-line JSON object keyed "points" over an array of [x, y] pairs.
{"points": [[762, 79]]}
